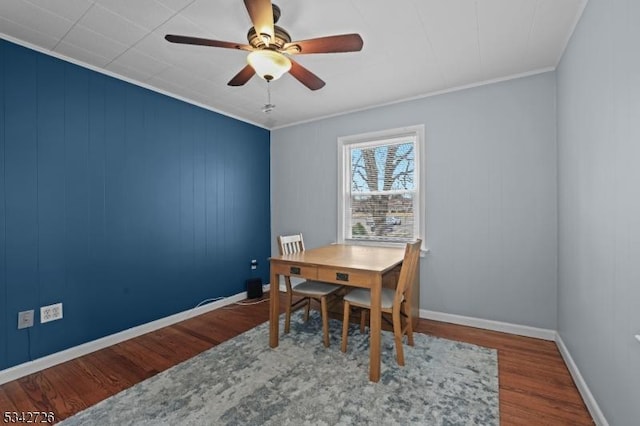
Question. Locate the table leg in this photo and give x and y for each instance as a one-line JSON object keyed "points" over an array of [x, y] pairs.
{"points": [[375, 327], [274, 309]]}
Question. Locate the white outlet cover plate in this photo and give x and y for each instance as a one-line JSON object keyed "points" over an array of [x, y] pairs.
{"points": [[25, 319], [50, 313]]}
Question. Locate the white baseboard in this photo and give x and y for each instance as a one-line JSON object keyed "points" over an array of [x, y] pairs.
{"points": [[505, 327], [39, 364], [587, 396]]}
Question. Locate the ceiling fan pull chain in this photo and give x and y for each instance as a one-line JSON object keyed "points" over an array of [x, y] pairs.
{"points": [[268, 107], [268, 92]]}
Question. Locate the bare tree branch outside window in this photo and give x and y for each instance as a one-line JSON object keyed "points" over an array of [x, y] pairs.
{"points": [[382, 191]]}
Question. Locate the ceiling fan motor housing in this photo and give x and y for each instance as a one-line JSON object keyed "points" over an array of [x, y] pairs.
{"points": [[276, 12]]}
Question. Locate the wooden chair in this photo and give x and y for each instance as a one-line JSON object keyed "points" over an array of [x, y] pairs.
{"points": [[306, 290], [395, 302]]}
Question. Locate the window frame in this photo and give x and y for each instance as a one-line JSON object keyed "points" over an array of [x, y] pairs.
{"points": [[344, 180]]}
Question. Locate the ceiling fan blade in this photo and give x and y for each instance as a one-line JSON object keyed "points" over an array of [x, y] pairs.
{"points": [[261, 14], [206, 42], [305, 76], [329, 44], [242, 77]]}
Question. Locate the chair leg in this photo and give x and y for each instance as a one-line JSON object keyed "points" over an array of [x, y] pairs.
{"points": [[363, 319], [325, 320], [345, 326], [306, 309], [409, 327], [287, 317], [397, 334]]}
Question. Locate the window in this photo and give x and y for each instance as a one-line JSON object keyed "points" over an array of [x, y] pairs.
{"points": [[381, 187]]}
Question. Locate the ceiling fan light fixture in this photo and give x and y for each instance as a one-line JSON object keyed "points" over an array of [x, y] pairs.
{"points": [[269, 64]]}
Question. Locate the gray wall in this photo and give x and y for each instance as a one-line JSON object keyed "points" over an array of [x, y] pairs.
{"points": [[599, 204], [491, 194]]}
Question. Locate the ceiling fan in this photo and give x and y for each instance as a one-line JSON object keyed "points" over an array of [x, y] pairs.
{"points": [[271, 48]]}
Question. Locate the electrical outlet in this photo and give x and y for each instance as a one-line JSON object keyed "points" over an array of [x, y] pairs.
{"points": [[254, 264], [50, 313], [25, 319]]}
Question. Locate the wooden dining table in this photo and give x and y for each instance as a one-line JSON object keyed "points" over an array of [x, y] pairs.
{"points": [[349, 265]]}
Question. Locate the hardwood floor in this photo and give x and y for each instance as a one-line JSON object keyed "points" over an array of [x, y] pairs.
{"points": [[535, 385]]}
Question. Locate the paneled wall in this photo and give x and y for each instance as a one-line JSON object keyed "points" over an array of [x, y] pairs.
{"points": [[121, 203]]}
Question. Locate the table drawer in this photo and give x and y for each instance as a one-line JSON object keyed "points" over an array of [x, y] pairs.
{"points": [[308, 272], [354, 278]]}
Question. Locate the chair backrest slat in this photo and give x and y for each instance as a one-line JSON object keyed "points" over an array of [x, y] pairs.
{"points": [[289, 244]]}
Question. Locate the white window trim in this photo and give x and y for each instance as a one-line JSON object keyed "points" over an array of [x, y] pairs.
{"points": [[344, 169]]}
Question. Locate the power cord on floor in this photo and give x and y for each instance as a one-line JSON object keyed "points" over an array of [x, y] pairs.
{"points": [[216, 299], [252, 303], [206, 301]]}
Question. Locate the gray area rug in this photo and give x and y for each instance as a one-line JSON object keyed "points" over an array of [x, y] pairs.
{"points": [[244, 382]]}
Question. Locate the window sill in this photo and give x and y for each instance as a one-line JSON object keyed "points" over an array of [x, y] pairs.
{"points": [[423, 250]]}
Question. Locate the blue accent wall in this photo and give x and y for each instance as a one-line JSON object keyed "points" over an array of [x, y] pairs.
{"points": [[123, 204]]}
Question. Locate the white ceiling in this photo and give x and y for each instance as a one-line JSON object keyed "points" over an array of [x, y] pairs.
{"points": [[412, 48]]}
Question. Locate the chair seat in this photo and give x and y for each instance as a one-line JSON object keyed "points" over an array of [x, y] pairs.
{"points": [[362, 296], [315, 288]]}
